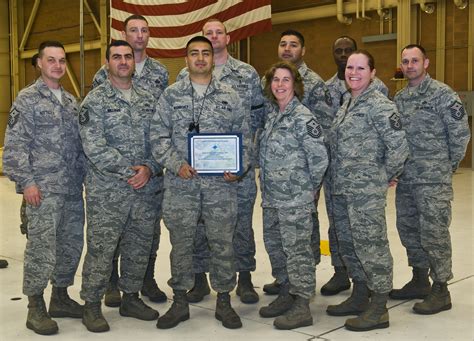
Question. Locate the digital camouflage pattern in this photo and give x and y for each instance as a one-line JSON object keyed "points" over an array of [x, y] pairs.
{"points": [[244, 79], [437, 130], [43, 148], [293, 160], [339, 94], [116, 136], [208, 197], [153, 78], [367, 151]]}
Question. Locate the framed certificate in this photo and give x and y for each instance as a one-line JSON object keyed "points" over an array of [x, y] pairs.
{"points": [[214, 154]]}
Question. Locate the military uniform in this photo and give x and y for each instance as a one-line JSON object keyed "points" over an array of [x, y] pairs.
{"points": [[317, 99], [293, 160], [438, 133], [245, 81], [43, 148], [208, 197], [153, 79], [115, 137], [368, 149], [340, 94]]}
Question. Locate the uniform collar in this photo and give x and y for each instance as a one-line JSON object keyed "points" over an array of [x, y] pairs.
{"points": [[303, 69]]}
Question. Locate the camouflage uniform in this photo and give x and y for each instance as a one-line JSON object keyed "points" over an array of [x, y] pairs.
{"points": [[43, 148], [438, 133], [245, 81], [368, 149], [318, 100], [339, 94], [115, 137], [293, 160], [210, 197], [153, 79]]}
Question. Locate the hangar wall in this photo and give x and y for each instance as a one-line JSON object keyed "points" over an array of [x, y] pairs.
{"points": [[59, 20]]}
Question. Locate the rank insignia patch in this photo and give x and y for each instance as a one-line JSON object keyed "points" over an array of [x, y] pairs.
{"points": [[83, 117], [13, 117], [457, 110], [328, 98], [314, 128], [395, 121]]}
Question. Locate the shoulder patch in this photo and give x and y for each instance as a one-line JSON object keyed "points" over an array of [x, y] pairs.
{"points": [[327, 96], [13, 117], [83, 117], [313, 128], [457, 110], [395, 121]]}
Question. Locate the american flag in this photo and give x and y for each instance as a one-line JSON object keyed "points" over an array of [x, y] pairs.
{"points": [[173, 22]]}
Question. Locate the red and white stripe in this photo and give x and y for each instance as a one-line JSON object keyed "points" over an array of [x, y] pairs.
{"points": [[173, 22]]}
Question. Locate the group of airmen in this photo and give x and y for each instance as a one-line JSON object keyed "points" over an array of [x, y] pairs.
{"points": [[127, 142]]}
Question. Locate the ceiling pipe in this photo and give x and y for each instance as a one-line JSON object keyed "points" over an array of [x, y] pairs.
{"points": [[383, 13], [340, 13], [461, 4], [427, 8]]}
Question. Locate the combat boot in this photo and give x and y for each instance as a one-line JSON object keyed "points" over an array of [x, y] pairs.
{"points": [[112, 294], [298, 316], [272, 288], [438, 299], [178, 312], [93, 318], [133, 306], [375, 317], [61, 305], [354, 305], [338, 282], [38, 318], [280, 305], [225, 313], [200, 289], [245, 288], [418, 287], [150, 288]]}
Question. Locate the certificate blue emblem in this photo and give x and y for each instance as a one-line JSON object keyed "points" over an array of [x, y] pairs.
{"points": [[214, 154]]}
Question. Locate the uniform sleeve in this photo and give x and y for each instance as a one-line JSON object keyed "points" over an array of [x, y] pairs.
{"points": [[241, 124], [455, 121], [101, 155], [257, 110], [311, 137], [161, 130], [99, 78], [388, 124], [182, 74], [320, 103], [18, 140]]}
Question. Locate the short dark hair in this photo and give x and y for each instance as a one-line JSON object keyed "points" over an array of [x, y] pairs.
{"points": [[294, 33], [34, 60], [413, 46], [49, 43], [133, 17], [201, 39], [345, 37], [298, 80], [371, 60], [116, 43]]}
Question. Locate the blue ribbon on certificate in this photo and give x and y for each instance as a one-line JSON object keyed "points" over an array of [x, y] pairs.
{"points": [[214, 154]]}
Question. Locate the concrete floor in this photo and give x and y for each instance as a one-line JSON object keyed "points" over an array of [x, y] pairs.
{"points": [[455, 324]]}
